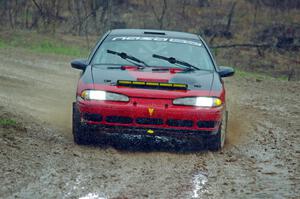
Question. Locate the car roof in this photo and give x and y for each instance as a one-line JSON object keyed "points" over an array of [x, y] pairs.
{"points": [[148, 32]]}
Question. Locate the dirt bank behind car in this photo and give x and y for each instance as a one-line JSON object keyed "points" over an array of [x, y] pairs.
{"points": [[40, 160]]}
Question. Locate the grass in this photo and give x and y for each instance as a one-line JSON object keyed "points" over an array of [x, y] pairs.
{"points": [[258, 76], [2, 44], [7, 122], [42, 44], [55, 48]]}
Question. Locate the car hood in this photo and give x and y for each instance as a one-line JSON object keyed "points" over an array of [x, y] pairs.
{"points": [[195, 80]]}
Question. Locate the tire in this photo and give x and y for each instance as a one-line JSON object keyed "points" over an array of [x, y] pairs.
{"points": [[217, 141], [81, 134]]}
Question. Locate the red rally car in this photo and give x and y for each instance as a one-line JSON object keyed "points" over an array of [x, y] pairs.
{"points": [[151, 82]]}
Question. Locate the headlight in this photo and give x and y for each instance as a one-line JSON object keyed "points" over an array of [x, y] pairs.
{"points": [[198, 101], [103, 95]]}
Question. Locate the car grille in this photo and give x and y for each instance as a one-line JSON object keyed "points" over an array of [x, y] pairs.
{"points": [[153, 121], [92, 117], [150, 121], [180, 123], [206, 124], [119, 119]]}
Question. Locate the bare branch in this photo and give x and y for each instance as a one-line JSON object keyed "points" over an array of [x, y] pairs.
{"points": [[39, 8]]}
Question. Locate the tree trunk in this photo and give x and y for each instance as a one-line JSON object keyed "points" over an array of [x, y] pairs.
{"points": [[86, 26], [10, 15], [230, 16], [77, 8]]}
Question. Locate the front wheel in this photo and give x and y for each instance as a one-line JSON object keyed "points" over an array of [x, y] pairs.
{"points": [[217, 141], [80, 132]]}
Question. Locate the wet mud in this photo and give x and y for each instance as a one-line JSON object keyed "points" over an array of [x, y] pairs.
{"points": [[40, 160]]}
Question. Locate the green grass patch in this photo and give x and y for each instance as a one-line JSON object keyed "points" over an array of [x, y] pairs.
{"points": [[258, 76], [55, 48], [42, 44], [2, 44], [7, 122]]}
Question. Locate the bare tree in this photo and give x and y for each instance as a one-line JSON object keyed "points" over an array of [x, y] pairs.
{"points": [[183, 9], [256, 7], [159, 16], [77, 4], [9, 8], [86, 25], [230, 16], [49, 12]]}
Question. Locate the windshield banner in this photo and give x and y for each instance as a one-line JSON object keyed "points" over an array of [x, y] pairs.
{"points": [[159, 39]]}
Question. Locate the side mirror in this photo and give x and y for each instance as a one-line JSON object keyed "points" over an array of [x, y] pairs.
{"points": [[79, 64], [225, 71]]}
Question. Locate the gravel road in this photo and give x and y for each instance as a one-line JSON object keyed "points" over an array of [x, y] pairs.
{"points": [[40, 160]]}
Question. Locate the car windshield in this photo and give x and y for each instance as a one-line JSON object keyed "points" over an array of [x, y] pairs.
{"points": [[143, 48]]}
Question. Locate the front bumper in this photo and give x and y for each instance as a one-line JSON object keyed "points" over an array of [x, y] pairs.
{"points": [[107, 129], [135, 116]]}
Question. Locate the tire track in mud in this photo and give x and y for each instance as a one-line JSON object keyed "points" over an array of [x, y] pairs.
{"points": [[264, 161], [38, 92]]}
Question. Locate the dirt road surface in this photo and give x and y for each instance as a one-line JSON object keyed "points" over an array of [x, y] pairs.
{"points": [[40, 160]]}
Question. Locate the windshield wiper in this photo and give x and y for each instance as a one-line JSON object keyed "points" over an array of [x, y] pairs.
{"points": [[173, 60], [129, 58]]}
